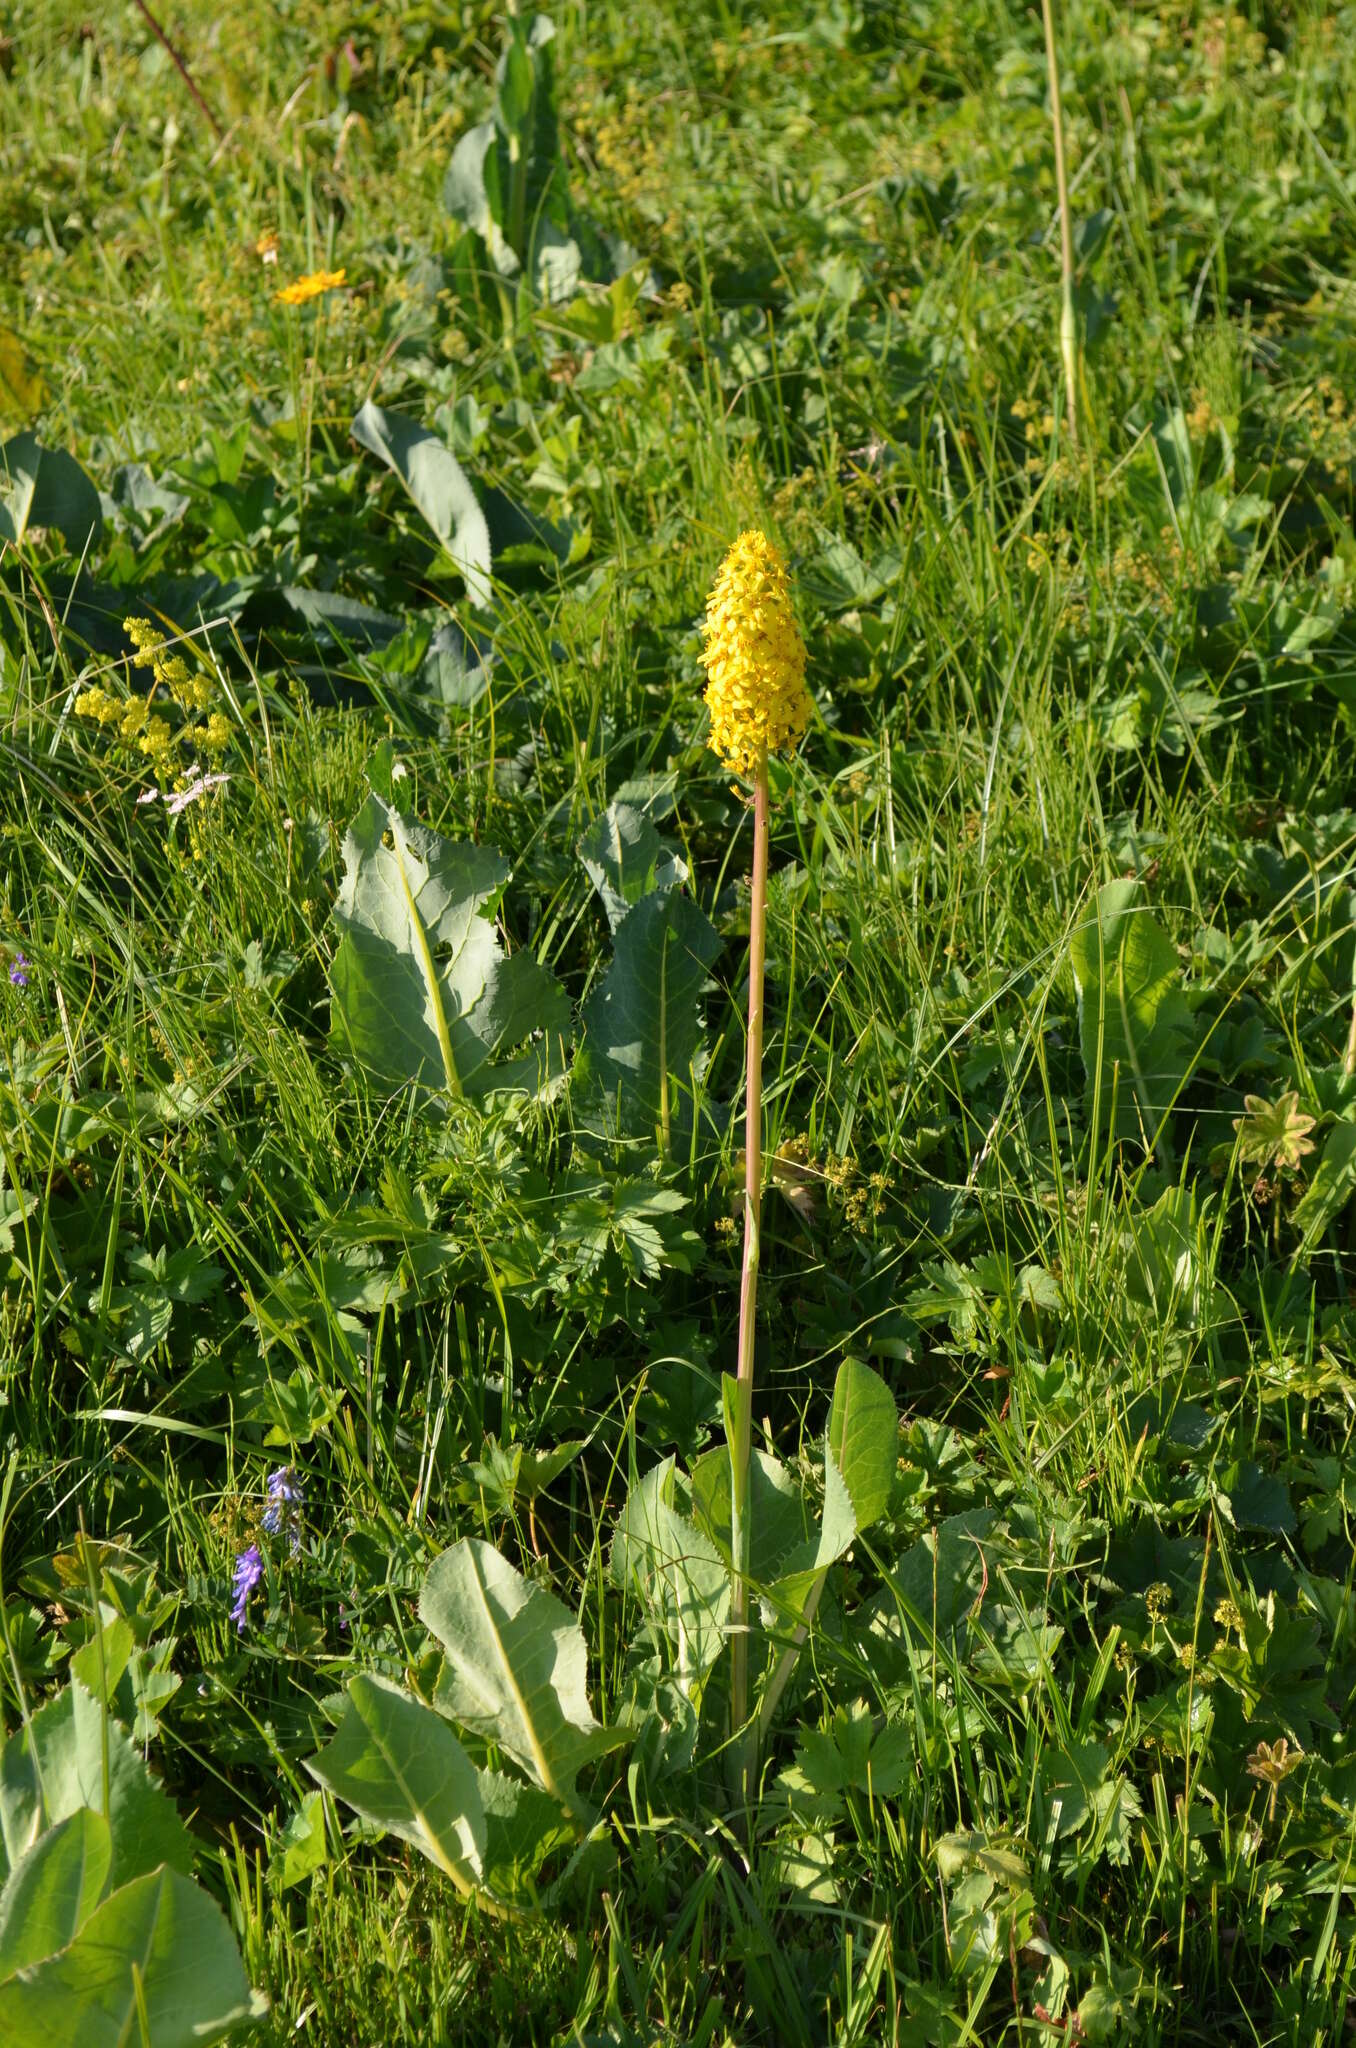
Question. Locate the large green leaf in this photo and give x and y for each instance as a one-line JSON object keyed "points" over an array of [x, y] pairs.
{"points": [[47, 487], [523, 1825], [398, 1764], [1134, 1028], [642, 1027], [439, 487], [677, 1571], [506, 180], [627, 859], [192, 1987], [53, 1889], [864, 1439], [423, 990], [515, 1666], [54, 1766]]}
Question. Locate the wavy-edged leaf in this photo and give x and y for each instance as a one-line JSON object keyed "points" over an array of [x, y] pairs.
{"points": [[626, 859], [47, 487], [864, 1439], [677, 1571], [1134, 1028]]}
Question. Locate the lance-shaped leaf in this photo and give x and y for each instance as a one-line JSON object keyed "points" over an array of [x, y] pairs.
{"points": [[864, 1439], [189, 1983], [423, 990], [515, 1666], [642, 1026], [439, 487], [397, 1763]]}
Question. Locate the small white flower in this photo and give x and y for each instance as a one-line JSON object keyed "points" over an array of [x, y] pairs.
{"points": [[182, 798]]}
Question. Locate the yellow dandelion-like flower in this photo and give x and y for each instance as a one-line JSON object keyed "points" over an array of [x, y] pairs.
{"points": [[311, 287], [754, 657]]}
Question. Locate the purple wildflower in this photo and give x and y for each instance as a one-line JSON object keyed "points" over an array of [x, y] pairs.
{"points": [[249, 1569], [285, 1499], [18, 972]]}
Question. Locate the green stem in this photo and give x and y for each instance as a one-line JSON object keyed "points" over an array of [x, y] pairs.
{"points": [[744, 1735], [1068, 324]]}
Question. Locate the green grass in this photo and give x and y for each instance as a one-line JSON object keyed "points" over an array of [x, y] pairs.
{"points": [[1114, 1311]]}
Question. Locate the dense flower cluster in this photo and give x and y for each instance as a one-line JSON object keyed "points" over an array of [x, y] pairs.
{"points": [[285, 1501], [173, 684], [249, 1569], [754, 657]]}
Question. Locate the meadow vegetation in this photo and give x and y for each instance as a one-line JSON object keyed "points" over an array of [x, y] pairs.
{"points": [[377, 407]]}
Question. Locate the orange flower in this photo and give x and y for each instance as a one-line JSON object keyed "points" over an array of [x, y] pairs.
{"points": [[311, 287]]}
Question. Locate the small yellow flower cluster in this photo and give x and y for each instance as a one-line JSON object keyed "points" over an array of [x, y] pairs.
{"points": [[311, 287], [150, 734], [169, 671], [754, 658]]}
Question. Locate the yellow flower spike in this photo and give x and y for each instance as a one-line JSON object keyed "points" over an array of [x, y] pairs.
{"points": [[754, 657], [311, 287], [759, 705]]}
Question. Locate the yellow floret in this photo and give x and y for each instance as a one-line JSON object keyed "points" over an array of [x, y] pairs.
{"points": [[217, 734], [145, 639], [96, 703], [754, 657]]}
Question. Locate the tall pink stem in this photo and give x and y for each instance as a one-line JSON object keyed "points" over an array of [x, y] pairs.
{"points": [[741, 1434]]}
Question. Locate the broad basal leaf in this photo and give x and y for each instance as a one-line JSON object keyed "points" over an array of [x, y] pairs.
{"points": [[439, 487], [54, 1766], [627, 859], [677, 1571], [192, 1987], [1332, 1185], [423, 990], [642, 1028], [1134, 1028], [397, 1763], [53, 1889], [515, 1666], [47, 487]]}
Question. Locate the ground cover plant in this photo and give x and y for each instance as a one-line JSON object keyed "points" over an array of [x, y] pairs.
{"points": [[422, 1619]]}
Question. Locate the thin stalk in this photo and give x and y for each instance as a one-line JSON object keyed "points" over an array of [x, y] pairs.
{"points": [[182, 70], [1068, 325], [740, 1422]]}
